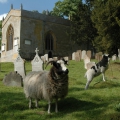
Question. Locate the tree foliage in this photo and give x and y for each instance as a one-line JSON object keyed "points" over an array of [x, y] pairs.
{"points": [[83, 30], [106, 17], [65, 8]]}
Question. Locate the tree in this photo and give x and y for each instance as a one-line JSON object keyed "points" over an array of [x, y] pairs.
{"points": [[65, 8], [106, 17], [83, 30]]}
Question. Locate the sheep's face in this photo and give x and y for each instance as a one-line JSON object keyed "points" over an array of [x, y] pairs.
{"points": [[106, 57], [60, 67]]}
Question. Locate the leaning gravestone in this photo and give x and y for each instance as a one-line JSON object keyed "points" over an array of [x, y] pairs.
{"points": [[19, 65], [37, 63], [13, 79]]}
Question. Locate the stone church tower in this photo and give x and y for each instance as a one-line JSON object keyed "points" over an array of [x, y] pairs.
{"points": [[29, 30]]}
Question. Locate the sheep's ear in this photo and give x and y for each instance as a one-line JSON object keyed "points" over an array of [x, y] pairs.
{"points": [[65, 61], [55, 64]]}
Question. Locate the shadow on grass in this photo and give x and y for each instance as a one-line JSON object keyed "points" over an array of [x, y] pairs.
{"points": [[106, 84]]}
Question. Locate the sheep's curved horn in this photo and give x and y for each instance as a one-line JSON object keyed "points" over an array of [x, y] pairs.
{"points": [[51, 61]]}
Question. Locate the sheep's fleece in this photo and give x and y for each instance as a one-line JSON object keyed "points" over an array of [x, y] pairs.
{"points": [[46, 85]]}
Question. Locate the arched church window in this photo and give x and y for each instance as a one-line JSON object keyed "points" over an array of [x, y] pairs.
{"points": [[49, 42], [10, 33]]}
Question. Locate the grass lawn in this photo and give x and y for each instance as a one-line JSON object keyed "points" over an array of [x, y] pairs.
{"points": [[100, 102]]}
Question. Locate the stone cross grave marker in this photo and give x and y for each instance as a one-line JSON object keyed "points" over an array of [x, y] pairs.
{"points": [[37, 63], [19, 65]]}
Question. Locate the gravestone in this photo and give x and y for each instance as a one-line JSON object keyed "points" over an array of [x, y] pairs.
{"points": [[43, 59], [66, 58], [119, 54], [19, 65], [114, 57], [77, 56], [13, 79], [55, 58], [50, 59], [89, 54], [46, 57], [80, 53], [86, 60], [37, 63], [83, 54], [98, 56], [73, 56]]}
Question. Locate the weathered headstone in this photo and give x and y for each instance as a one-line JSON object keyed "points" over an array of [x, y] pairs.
{"points": [[55, 58], [46, 57], [19, 65], [66, 58], [80, 53], [43, 59], [37, 63], [50, 59], [98, 56], [77, 56], [83, 54], [89, 54], [13, 79], [73, 56], [114, 57], [119, 54], [86, 60]]}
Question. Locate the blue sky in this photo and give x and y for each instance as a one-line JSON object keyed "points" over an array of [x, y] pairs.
{"points": [[30, 5]]}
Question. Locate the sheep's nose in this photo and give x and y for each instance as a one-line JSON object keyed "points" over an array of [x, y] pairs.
{"points": [[67, 71]]}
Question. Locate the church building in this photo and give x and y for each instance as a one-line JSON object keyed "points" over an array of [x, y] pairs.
{"points": [[29, 30]]}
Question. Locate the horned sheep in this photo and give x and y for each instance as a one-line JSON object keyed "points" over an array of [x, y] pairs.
{"points": [[47, 85]]}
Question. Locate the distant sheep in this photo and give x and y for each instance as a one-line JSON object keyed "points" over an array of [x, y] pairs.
{"points": [[97, 69], [47, 85]]}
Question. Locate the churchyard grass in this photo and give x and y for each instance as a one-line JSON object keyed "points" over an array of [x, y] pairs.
{"points": [[99, 102]]}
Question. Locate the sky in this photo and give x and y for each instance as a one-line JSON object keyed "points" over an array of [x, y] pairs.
{"points": [[29, 5]]}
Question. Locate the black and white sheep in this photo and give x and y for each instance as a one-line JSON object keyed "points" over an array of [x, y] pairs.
{"points": [[97, 69], [47, 85]]}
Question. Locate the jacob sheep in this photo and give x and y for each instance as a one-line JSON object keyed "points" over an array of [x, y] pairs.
{"points": [[97, 69], [47, 85]]}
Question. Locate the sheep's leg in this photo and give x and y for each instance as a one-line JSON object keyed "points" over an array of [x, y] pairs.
{"points": [[56, 105], [30, 103], [87, 85], [103, 74], [49, 106], [36, 103]]}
